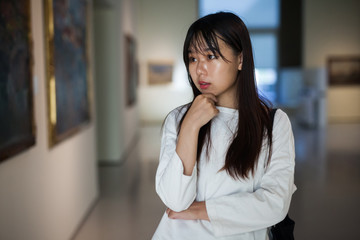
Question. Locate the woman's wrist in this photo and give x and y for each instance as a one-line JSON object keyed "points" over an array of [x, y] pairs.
{"points": [[190, 126], [197, 211], [200, 210]]}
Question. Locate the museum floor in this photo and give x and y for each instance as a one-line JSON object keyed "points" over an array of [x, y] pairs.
{"points": [[325, 206]]}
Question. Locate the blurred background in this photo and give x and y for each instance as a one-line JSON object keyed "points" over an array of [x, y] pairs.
{"points": [[98, 183]]}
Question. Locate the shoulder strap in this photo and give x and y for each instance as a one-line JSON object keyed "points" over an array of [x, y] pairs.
{"points": [[272, 115]]}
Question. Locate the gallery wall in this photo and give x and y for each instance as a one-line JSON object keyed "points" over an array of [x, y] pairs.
{"points": [[332, 28], [45, 192]]}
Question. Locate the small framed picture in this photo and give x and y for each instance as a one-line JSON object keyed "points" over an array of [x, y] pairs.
{"points": [[344, 70], [160, 72], [131, 70]]}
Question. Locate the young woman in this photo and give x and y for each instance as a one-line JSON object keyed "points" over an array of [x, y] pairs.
{"points": [[226, 171]]}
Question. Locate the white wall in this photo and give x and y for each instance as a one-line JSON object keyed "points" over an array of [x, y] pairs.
{"points": [[332, 27], [107, 82], [118, 123], [162, 26], [344, 104], [45, 193]]}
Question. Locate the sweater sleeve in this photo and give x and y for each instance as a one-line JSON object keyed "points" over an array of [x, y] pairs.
{"points": [[176, 190], [269, 203]]}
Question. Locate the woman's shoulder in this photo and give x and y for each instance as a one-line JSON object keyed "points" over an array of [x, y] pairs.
{"points": [[281, 116], [173, 118], [281, 121], [177, 113]]}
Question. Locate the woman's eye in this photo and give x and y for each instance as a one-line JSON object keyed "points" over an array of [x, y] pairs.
{"points": [[210, 57], [192, 59]]}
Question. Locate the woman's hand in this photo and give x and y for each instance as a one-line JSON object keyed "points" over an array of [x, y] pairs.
{"points": [[201, 111], [197, 211]]}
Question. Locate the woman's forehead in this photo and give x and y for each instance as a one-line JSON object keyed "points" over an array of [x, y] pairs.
{"points": [[198, 49], [199, 44]]}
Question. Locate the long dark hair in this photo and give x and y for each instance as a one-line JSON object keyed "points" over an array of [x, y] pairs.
{"points": [[254, 122]]}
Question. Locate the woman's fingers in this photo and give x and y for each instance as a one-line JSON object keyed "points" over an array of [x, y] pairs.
{"points": [[210, 96], [205, 102], [171, 214], [207, 97]]}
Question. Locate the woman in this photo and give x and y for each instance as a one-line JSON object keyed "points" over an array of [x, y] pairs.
{"points": [[226, 170]]}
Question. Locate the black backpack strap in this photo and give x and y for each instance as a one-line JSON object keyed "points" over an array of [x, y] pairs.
{"points": [[272, 115], [285, 228]]}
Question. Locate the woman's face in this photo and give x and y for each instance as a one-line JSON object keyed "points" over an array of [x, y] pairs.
{"points": [[212, 74]]}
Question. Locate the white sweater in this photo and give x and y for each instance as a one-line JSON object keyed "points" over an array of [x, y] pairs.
{"points": [[237, 209]]}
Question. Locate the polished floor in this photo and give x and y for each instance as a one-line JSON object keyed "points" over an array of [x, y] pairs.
{"points": [[326, 205]]}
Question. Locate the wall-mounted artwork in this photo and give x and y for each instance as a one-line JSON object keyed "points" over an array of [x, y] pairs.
{"points": [[67, 68], [344, 70], [160, 72], [17, 128], [131, 70]]}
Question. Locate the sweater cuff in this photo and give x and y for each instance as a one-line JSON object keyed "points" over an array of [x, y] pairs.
{"points": [[178, 164], [214, 218]]}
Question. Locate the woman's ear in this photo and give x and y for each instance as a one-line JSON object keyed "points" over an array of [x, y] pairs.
{"points": [[240, 61]]}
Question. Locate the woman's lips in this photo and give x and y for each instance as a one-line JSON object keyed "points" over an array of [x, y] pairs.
{"points": [[204, 85]]}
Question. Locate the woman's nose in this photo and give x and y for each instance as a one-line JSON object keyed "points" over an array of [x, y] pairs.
{"points": [[201, 67]]}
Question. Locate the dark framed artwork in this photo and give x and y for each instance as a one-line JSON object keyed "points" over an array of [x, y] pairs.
{"points": [[67, 68], [131, 70], [344, 70], [17, 126], [160, 72]]}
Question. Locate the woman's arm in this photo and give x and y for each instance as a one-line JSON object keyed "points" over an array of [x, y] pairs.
{"points": [[196, 211], [176, 175]]}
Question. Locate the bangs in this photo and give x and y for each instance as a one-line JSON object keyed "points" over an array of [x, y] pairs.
{"points": [[203, 42]]}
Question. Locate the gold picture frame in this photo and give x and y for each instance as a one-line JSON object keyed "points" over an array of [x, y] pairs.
{"points": [[67, 68]]}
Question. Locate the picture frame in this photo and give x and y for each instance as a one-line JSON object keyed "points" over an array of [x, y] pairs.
{"points": [[343, 70], [132, 70], [67, 69], [160, 72], [17, 122]]}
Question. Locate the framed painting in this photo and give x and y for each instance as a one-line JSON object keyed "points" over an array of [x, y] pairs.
{"points": [[67, 68], [131, 70], [344, 70], [17, 125], [160, 72]]}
